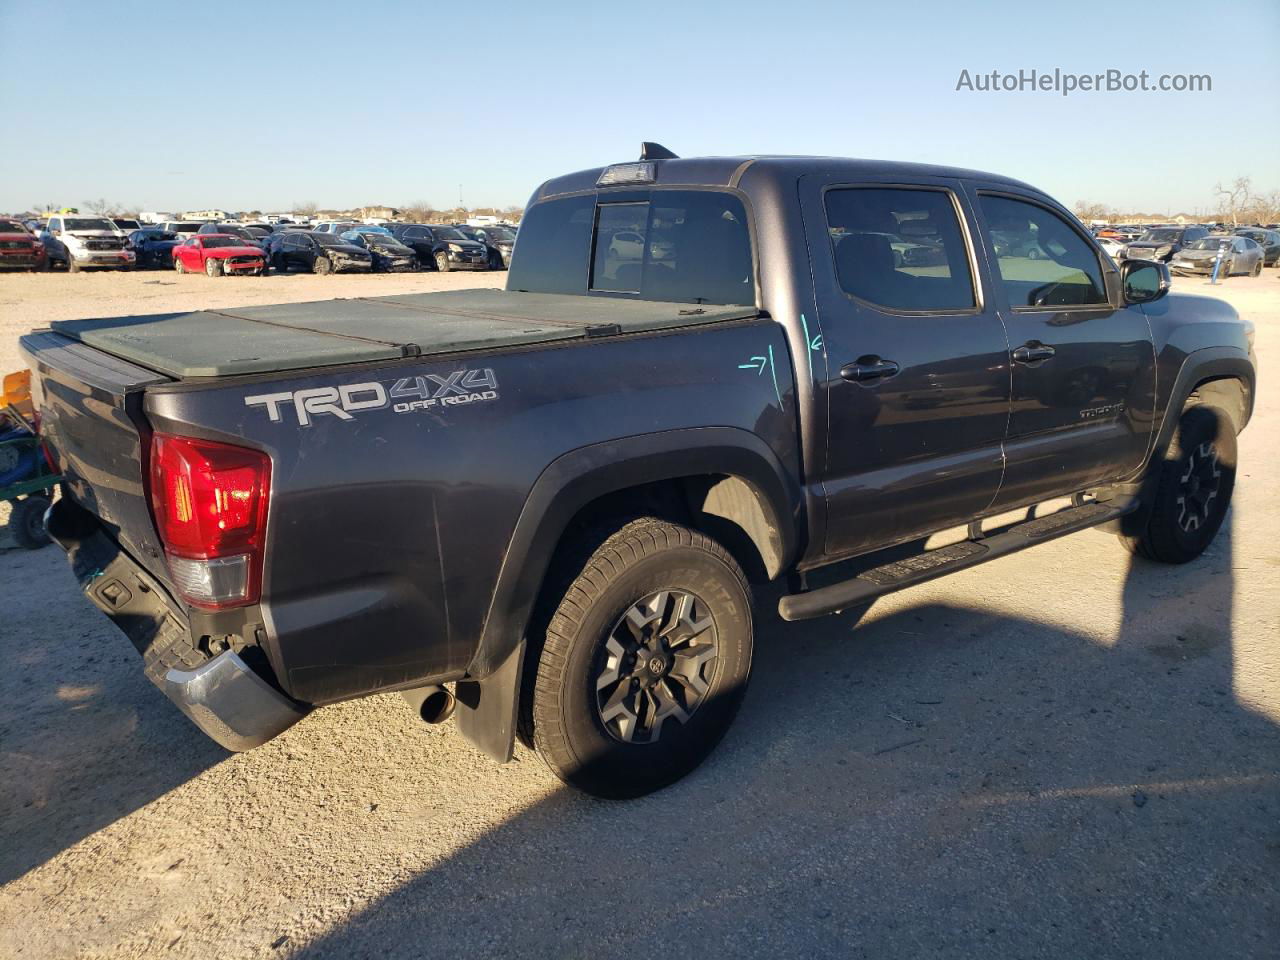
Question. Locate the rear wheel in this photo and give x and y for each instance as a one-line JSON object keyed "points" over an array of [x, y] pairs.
{"points": [[1193, 490], [1257, 269], [442, 262], [26, 522], [644, 660]]}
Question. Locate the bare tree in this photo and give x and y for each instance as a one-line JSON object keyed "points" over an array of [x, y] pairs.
{"points": [[1088, 210], [102, 207], [1234, 198], [1265, 208], [307, 209]]}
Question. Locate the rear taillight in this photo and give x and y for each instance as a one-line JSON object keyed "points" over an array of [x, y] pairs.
{"points": [[210, 505]]}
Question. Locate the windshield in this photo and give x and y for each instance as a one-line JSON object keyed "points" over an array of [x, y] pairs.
{"points": [[11, 226], [223, 242], [1259, 235], [240, 232], [331, 240], [447, 233], [84, 223], [499, 233], [184, 227], [1162, 236], [1210, 243]]}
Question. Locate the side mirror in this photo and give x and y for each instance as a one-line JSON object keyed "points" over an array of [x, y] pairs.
{"points": [[1144, 280]]}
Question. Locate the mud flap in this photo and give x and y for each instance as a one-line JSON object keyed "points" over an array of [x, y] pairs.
{"points": [[487, 708]]}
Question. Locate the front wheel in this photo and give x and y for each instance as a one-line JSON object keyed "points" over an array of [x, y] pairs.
{"points": [[178, 265], [643, 663], [442, 262], [213, 267], [1193, 490], [26, 522], [1257, 269], [323, 266]]}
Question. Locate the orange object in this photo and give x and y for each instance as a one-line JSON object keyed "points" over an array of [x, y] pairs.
{"points": [[17, 394]]}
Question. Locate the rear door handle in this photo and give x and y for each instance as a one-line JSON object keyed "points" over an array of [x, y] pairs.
{"points": [[868, 368], [1033, 352]]}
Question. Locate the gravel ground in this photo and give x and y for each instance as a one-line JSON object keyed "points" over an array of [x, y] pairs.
{"points": [[1063, 753]]}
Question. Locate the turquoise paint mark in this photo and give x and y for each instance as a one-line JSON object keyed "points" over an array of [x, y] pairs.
{"points": [[814, 343], [774, 371], [756, 364]]}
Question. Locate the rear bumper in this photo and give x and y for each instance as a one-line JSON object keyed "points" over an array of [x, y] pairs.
{"points": [[222, 695], [231, 703]]}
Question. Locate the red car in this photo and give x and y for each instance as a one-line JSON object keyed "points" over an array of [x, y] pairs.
{"points": [[217, 254], [19, 248]]}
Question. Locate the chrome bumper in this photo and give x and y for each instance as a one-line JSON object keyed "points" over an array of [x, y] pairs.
{"points": [[231, 703]]}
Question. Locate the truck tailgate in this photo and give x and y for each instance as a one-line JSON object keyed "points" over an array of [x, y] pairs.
{"points": [[90, 406]]}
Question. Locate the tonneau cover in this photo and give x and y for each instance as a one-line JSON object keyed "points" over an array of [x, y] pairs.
{"points": [[293, 336]]}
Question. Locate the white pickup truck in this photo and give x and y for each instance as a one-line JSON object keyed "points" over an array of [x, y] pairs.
{"points": [[84, 242]]}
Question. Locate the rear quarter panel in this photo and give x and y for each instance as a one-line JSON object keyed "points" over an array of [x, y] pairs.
{"points": [[387, 530]]}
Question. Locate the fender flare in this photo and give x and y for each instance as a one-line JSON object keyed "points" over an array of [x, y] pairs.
{"points": [[487, 704], [1208, 363]]}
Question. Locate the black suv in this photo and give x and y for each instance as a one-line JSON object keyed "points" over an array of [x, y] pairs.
{"points": [[498, 240], [445, 247], [1161, 243]]}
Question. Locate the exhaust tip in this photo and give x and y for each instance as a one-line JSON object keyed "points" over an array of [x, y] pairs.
{"points": [[437, 706], [434, 704]]}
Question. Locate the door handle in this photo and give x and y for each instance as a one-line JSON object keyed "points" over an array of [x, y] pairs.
{"points": [[1033, 352], [868, 368]]}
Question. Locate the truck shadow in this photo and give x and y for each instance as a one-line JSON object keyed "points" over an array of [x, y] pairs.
{"points": [[943, 781], [85, 739]]}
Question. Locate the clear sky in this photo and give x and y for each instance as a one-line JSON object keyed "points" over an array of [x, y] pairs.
{"points": [[256, 105]]}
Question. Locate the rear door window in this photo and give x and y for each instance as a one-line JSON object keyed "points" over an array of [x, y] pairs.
{"points": [[900, 248], [1043, 262]]}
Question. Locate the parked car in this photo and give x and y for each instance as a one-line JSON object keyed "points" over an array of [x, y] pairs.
{"points": [[126, 224], [183, 229], [498, 240], [334, 226], [86, 242], [1162, 243], [1269, 240], [219, 254], [153, 247], [318, 253], [234, 230], [443, 247], [553, 495], [1239, 255], [389, 254], [1114, 246], [20, 249]]}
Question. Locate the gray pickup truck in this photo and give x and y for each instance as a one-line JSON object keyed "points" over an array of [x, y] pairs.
{"points": [[540, 509]]}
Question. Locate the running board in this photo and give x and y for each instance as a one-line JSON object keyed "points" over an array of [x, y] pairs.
{"points": [[891, 577]]}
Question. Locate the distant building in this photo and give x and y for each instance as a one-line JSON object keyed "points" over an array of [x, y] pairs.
{"points": [[368, 214], [206, 215]]}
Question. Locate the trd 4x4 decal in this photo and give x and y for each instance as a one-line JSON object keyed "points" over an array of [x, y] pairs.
{"points": [[406, 395]]}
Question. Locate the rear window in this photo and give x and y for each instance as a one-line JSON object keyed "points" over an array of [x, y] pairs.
{"points": [[687, 246]]}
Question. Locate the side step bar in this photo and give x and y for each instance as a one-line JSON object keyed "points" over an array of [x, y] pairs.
{"points": [[891, 577]]}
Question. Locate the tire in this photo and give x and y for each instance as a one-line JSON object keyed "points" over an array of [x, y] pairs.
{"points": [[1257, 269], [72, 266], [26, 522], [212, 267], [670, 701], [442, 262], [323, 266], [178, 265], [1193, 491]]}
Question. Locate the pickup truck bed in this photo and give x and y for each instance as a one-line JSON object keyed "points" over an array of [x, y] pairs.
{"points": [[296, 336]]}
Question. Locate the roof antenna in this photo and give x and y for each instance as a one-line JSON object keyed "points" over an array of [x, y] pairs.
{"points": [[655, 151]]}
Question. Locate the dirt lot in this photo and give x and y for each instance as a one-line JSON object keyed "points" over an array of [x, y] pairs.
{"points": [[1063, 753]]}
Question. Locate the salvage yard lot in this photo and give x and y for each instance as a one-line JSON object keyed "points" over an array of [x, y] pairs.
{"points": [[1066, 752]]}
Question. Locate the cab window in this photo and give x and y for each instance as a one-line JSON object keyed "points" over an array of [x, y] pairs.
{"points": [[1042, 261], [900, 248]]}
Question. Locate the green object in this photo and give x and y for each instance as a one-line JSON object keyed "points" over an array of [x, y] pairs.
{"points": [[294, 336]]}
